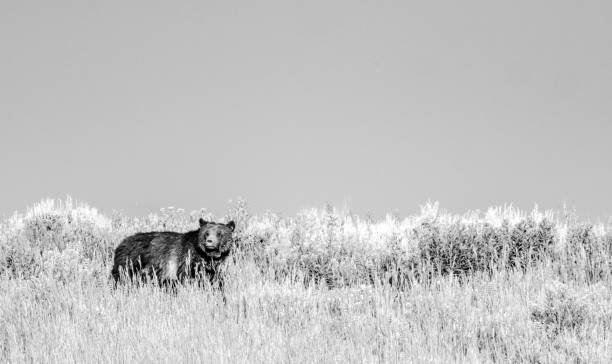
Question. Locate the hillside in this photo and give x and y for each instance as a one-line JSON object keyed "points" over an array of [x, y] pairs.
{"points": [[324, 285]]}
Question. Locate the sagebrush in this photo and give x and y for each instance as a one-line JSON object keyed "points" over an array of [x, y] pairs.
{"points": [[322, 286]]}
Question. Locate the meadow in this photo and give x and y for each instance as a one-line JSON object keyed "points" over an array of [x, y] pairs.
{"points": [[322, 286]]}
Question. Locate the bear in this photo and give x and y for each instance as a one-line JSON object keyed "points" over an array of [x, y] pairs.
{"points": [[170, 257]]}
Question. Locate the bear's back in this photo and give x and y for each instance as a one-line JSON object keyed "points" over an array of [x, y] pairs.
{"points": [[143, 250]]}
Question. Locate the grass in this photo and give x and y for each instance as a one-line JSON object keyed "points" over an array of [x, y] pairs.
{"points": [[322, 286]]}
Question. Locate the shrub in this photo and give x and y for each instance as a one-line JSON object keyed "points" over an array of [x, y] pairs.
{"points": [[588, 253], [50, 228], [561, 309], [330, 246]]}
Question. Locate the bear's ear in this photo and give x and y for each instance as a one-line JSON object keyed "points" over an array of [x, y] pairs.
{"points": [[231, 225], [203, 222]]}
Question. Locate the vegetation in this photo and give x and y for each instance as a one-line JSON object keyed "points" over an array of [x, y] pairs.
{"points": [[323, 286]]}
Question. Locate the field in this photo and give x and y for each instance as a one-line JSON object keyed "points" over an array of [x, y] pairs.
{"points": [[322, 286]]}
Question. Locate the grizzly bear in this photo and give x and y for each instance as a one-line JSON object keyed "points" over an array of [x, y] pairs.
{"points": [[169, 257]]}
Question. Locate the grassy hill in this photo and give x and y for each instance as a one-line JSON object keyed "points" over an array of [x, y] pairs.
{"points": [[322, 286]]}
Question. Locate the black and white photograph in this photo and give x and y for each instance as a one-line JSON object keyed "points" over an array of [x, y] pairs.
{"points": [[306, 181]]}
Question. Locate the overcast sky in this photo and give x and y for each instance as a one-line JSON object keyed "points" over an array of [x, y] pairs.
{"points": [[380, 105]]}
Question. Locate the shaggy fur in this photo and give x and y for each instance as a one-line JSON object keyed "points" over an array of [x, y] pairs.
{"points": [[170, 256]]}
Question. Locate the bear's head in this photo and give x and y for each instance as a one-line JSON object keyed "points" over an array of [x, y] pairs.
{"points": [[215, 239]]}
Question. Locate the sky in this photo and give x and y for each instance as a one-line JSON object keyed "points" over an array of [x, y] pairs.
{"points": [[379, 106]]}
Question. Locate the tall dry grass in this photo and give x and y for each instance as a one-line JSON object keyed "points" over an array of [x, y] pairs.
{"points": [[322, 286]]}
